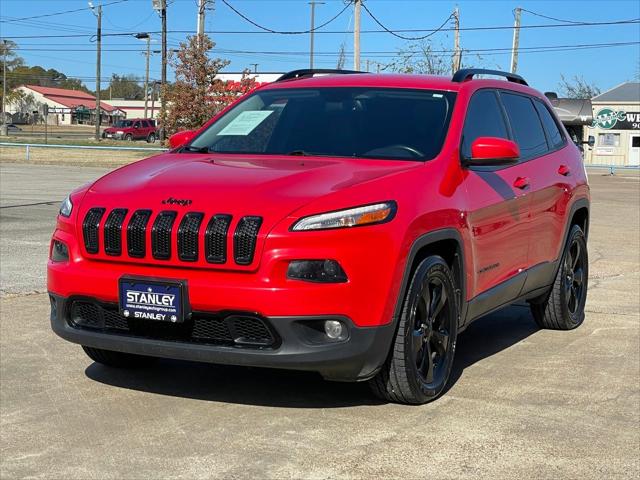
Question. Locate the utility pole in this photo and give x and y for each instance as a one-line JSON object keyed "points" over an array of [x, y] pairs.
{"points": [[163, 79], [255, 67], [142, 36], [457, 53], [516, 40], [356, 34], [98, 61], [4, 89], [313, 4]]}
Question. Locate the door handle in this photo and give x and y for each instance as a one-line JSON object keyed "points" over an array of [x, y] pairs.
{"points": [[521, 183], [564, 170]]}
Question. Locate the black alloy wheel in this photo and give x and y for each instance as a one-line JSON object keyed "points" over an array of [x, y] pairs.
{"points": [[421, 357], [562, 307]]}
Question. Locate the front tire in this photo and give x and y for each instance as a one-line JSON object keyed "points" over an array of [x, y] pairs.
{"points": [[117, 359], [419, 364], [128, 137], [562, 308]]}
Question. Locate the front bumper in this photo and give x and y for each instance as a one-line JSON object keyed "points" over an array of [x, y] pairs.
{"points": [[357, 358]]}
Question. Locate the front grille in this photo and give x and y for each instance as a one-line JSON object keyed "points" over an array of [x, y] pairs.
{"points": [[161, 235], [188, 236], [244, 239], [137, 233], [215, 329], [170, 230], [215, 238], [113, 231], [90, 229]]}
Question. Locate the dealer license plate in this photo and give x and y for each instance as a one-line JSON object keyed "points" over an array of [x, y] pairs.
{"points": [[151, 300]]}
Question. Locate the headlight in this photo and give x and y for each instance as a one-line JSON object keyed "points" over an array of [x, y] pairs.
{"points": [[351, 217], [66, 207]]}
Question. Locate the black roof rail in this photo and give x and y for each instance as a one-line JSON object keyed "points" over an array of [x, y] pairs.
{"points": [[465, 74], [310, 72]]}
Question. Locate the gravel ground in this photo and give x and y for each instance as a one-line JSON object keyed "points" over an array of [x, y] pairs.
{"points": [[522, 403]]}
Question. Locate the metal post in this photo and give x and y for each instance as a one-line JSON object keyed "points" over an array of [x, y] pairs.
{"points": [[313, 4], [27, 153], [457, 57], [98, 61], [516, 40], [4, 90], [163, 79], [356, 34]]}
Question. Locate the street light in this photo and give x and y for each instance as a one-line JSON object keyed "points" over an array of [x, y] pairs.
{"points": [[147, 37]]}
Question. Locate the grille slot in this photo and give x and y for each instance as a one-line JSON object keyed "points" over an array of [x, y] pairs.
{"points": [[188, 236], [244, 239], [161, 235], [90, 229], [214, 329], [137, 233], [215, 240], [113, 231]]}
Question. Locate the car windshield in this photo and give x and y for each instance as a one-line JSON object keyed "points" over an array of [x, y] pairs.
{"points": [[384, 123], [123, 123]]}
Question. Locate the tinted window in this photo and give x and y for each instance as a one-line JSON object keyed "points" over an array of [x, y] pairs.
{"points": [[136, 125], [359, 122], [525, 124], [556, 139], [484, 119]]}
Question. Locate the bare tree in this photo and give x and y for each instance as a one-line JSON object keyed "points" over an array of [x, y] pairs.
{"points": [[577, 87]]}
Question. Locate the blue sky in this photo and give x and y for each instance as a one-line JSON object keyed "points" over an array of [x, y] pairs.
{"points": [[606, 67]]}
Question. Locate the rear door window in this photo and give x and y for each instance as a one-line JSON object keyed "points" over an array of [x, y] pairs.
{"points": [[556, 138], [525, 124], [484, 119]]}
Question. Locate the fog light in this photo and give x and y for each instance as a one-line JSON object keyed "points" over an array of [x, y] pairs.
{"points": [[323, 271], [59, 252], [333, 329]]}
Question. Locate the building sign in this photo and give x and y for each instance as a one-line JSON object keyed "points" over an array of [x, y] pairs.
{"points": [[608, 119]]}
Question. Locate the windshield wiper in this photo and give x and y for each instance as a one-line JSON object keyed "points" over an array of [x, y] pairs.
{"points": [[191, 149], [302, 153]]}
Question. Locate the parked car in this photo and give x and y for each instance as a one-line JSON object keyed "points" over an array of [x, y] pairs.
{"points": [[349, 224], [134, 129]]}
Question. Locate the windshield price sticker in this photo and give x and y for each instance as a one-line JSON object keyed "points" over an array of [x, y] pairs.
{"points": [[244, 123]]}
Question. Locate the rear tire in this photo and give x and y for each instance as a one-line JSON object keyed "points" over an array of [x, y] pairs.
{"points": [[562, 308], [151, 138], [117, 359], [419, 364]]}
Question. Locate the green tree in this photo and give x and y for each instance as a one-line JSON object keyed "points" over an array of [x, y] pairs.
{"points": [[197, 94], [577, 87], [125, 86]]}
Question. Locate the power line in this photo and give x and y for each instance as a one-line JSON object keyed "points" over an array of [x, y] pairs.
{"points": [[269, 30], [381, 25], [634, 21], [548, 17], [59, 13]]}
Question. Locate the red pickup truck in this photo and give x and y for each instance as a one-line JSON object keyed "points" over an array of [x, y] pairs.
{"points": [[133, 129]]}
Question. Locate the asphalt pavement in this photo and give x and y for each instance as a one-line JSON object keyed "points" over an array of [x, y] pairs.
{"points": [[522, 403]]}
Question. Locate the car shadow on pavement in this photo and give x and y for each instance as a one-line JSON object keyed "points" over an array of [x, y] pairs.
{"points": [[290, 389]]}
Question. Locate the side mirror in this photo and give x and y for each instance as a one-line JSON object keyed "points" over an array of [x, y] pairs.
{"points": [[178, 139], [493, 151]]}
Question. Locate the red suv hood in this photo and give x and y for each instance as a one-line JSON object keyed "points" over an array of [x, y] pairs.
{"points": [[268, 187], [264, 186]]}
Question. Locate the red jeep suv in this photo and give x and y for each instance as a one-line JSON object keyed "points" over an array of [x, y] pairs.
{"points": [[345, 223]]}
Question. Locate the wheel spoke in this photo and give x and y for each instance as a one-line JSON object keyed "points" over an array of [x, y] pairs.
{"points": [[573, 300], [437, 302], [441, 339], [426, 364], [576, 256], [417, 341], [578, 276]]}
